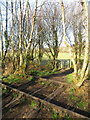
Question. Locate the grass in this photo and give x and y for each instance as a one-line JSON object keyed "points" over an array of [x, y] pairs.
{"points": [[14, 95], [18, 77], [4, 90], [67, 117], [82, 105], [70, 78], [60, 56], [55, 115], [9, 79], [10, 110], [42, 73], [72, 90], [43, 82], [77, 100], [30, 78], [33, 104], [22, 99]]}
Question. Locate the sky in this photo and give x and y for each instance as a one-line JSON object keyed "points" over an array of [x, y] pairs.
{"points": [[32, 4]]}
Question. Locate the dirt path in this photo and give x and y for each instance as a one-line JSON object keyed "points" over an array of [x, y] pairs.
{"points": [[60, 76], [52, 89]]}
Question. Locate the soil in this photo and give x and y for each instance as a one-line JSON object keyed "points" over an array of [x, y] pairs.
{"points": [[38, 87]]}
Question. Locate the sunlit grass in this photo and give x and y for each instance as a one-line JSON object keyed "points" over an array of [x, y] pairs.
{"points": [[60, 56], [70, 78]]}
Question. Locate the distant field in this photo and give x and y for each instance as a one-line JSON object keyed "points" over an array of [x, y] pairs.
{"points": [[61, 56], [64, 56]]}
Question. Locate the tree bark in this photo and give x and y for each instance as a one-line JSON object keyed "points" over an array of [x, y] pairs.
{"points": [[20, 42], [31, 34], [84, 71]]}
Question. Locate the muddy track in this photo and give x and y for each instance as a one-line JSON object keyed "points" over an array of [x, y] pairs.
{"points": [[49, 100]]}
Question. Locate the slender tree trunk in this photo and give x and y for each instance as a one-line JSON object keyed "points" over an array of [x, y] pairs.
{"points": [[6, 33], [55, 62], [13, 59], [1, 33], [76, 47], [40, 51], [31, 34], [80, 47], [25, 42], [20, 42], [64, 33], [84, 71]]}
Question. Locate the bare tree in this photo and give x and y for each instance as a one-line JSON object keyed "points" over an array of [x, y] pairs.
{"points": [[53, 33], [79, 74]]}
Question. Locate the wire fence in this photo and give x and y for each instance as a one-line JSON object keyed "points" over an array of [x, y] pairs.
{"points": [[62, 63]]}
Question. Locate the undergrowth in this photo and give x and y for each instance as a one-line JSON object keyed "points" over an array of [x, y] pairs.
{"points": [[55, 115], [42, 73], [33, 104]]}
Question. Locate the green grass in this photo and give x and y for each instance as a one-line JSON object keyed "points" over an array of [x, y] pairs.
{"points": [[18, 77], [33, 104], [55, 115], [70, 78], [60, 56], [42, 73], [77, 101], [22, 100], [75, 98], [30, 78], [82, 104], [15, 95], [4, 90], [72, 90], [10, 110], [9, 79], [43, 82], [67, 117]]}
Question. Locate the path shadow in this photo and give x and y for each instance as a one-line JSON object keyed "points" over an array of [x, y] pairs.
{"points": [[61, 104], [66, 72]]}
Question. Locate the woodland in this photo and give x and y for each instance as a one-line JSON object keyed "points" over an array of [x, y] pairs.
{"points": [[45, 51]]}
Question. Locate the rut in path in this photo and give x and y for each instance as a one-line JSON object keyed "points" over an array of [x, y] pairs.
{"points": [[53, 103]]}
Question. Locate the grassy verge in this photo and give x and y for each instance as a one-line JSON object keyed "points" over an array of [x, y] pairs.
{"points": [[12, 78], [15, 78], [42, 73], [70, 78]]}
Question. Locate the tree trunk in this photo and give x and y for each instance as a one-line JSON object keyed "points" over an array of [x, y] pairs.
{"points": [[20, 42], [1, 33], [31, 34], [70, 52], [84, 71]]}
